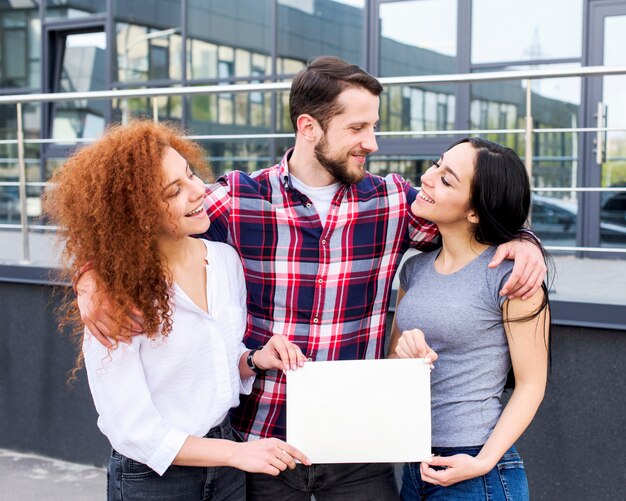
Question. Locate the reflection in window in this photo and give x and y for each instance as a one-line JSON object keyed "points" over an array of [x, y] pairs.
{"points": [[417, 108], [146, 54], [309, 28], [613, 204], [555, 104], [407, 50], [524, 34], [81, 70], [237, 31], [20, 47], [73, 9]]}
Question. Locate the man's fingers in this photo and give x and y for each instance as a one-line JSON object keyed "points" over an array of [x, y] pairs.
{"points": [[502, 252], [514, 281], [95, 332]]}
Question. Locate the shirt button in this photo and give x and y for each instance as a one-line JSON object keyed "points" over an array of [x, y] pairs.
{"points": [[320, 281], [315, 320], [324, 242]]}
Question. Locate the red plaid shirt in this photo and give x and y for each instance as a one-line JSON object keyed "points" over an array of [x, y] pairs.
{"points": [[326, 288]]}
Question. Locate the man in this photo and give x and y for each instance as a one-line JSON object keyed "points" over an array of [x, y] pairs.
{"points": [[320, 240]]}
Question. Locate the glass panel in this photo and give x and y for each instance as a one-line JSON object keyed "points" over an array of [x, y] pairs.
{"points": [[429, 50], [20, 33], [409, 167], [244, 155], [417, 108], [529, 30], [151, 49], [74, 8], [613, 204], [555, 104], [308, 28], [554, 217], [236, 33], [82, 70], [169, 108]]}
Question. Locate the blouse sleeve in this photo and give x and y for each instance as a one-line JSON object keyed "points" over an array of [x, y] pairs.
{"points": [[127, 415], [240, 297]]}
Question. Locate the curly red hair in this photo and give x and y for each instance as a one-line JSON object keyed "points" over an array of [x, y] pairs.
{"points": [[107, 201]]}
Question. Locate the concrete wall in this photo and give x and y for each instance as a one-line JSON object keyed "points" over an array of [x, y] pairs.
{"points": [[573, 450]]}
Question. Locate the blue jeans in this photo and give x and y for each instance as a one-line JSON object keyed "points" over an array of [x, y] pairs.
{"points": [[505, 482], [332, 482], [129, 480]]}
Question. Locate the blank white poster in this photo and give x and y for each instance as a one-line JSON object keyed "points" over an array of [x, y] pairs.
{"points": [[360, 411]]}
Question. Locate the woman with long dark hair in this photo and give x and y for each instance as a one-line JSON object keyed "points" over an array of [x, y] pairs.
{"points": [[127, 206], [449, 310]]}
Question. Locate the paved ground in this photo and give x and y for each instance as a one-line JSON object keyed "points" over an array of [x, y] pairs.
{"points": [[27, 477]]}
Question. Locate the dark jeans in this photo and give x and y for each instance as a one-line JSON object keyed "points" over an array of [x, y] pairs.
{"points": [[505, 482], [129, 480], [332, 482]]}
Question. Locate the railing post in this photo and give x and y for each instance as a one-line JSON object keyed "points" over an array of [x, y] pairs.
{"points": [[155, 110], [528, 137], [22, 187]]}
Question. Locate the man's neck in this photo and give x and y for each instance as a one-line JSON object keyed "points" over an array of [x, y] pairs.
{"points": [[305, 167]]}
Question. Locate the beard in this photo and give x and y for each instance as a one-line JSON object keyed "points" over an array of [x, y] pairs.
{"points": [[337, 167]]}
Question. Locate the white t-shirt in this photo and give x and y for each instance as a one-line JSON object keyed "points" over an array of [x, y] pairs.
{"points": [[321, 196], [153, 393]]}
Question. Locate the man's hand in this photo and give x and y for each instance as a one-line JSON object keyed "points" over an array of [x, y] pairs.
{"points": [[279, 353], [529, 270], [412, 344], [97, 315]]}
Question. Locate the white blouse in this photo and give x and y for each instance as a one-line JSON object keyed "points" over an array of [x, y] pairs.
{"points": [[152, 394]]}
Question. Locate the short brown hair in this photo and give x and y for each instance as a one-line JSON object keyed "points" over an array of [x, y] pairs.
{"points": [[315, 89]]}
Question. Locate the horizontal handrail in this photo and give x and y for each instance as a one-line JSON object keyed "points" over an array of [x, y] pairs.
{"points": [[583, 71]]}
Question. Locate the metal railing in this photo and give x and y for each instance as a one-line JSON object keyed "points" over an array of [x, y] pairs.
{"points": [[153, 94]]}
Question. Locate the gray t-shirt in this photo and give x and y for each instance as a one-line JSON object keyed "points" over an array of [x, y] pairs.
{"points": [[461, 316]]}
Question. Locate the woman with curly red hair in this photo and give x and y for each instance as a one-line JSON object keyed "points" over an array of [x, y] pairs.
{"points": [[128, 205]]}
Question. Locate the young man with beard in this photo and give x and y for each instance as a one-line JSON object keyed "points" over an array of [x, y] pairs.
{"points": [[320, 240]]}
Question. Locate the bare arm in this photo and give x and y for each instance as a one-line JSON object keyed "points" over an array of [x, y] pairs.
{"points": [[529, 270], [528, 347], [411, 343], [96, 315], [270, 456]]}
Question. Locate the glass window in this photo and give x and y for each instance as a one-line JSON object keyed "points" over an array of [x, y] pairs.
{"points": [[82, 69], [239, 27], [20, 35], [415, 108], [152, 48], [308, 28], [407, 50], [509, 30], [74, 8], [613, 204]]}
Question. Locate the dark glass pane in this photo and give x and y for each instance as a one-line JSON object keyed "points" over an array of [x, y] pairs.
{"points": [[20, 46], [74, 8], [307, 29], [234, 33], [148, 40]]}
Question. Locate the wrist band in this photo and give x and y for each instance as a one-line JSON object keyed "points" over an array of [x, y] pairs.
{"points": [[252, 365]]}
